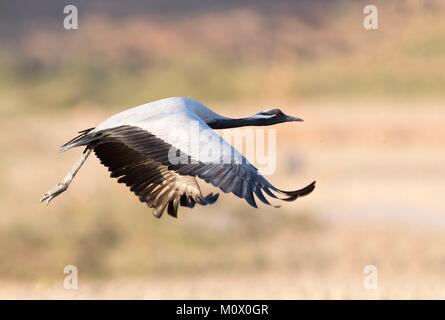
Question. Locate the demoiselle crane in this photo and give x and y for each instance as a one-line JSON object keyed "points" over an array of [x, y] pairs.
{"points": [[151, 150]]}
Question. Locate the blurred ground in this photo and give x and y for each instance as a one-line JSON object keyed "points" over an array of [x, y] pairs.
{"points": [[373, 104], [303, 265], [377, 202]]}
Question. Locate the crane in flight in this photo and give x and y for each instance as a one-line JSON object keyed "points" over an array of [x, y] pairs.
{"points": [[151, 150]]}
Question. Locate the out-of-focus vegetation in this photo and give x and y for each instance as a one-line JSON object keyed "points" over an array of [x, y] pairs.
{"points": [[229, 55]]}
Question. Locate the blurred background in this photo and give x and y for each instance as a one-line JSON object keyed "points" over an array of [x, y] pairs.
{"points": [[373, 138]]}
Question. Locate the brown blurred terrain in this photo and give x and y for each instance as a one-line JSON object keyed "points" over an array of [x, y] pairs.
{"points": [[372, 138]]}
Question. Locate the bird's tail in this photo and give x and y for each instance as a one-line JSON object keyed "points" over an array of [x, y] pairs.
{"points": [[81, 140]]}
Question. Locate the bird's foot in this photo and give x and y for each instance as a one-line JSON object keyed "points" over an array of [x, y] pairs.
{"points": [[54, 192]]}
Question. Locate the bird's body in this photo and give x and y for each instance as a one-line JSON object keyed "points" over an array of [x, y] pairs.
{"points": [[152, 149], [168, 120]]}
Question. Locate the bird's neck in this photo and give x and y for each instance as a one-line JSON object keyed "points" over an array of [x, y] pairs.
{"points": [[227, 123]]}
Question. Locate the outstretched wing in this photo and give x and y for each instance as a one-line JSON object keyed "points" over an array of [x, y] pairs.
{"points": [[152, 182]]}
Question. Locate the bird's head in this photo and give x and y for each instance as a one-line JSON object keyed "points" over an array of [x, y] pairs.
{"points": [[273, 116], [264, 118]]}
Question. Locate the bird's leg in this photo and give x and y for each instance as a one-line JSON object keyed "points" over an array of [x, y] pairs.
{"points": [[63, 185]]}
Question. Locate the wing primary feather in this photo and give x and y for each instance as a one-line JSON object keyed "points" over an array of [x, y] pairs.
{"points": [[293, 195], [249, 195]]}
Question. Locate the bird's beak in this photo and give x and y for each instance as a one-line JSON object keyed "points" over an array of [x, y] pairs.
{"points": [[290, 118]]}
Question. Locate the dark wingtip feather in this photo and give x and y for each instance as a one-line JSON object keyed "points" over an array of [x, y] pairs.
{"points": [[172, 208], [249, 197], [306, 190], [293, 195], [211, 198]]}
